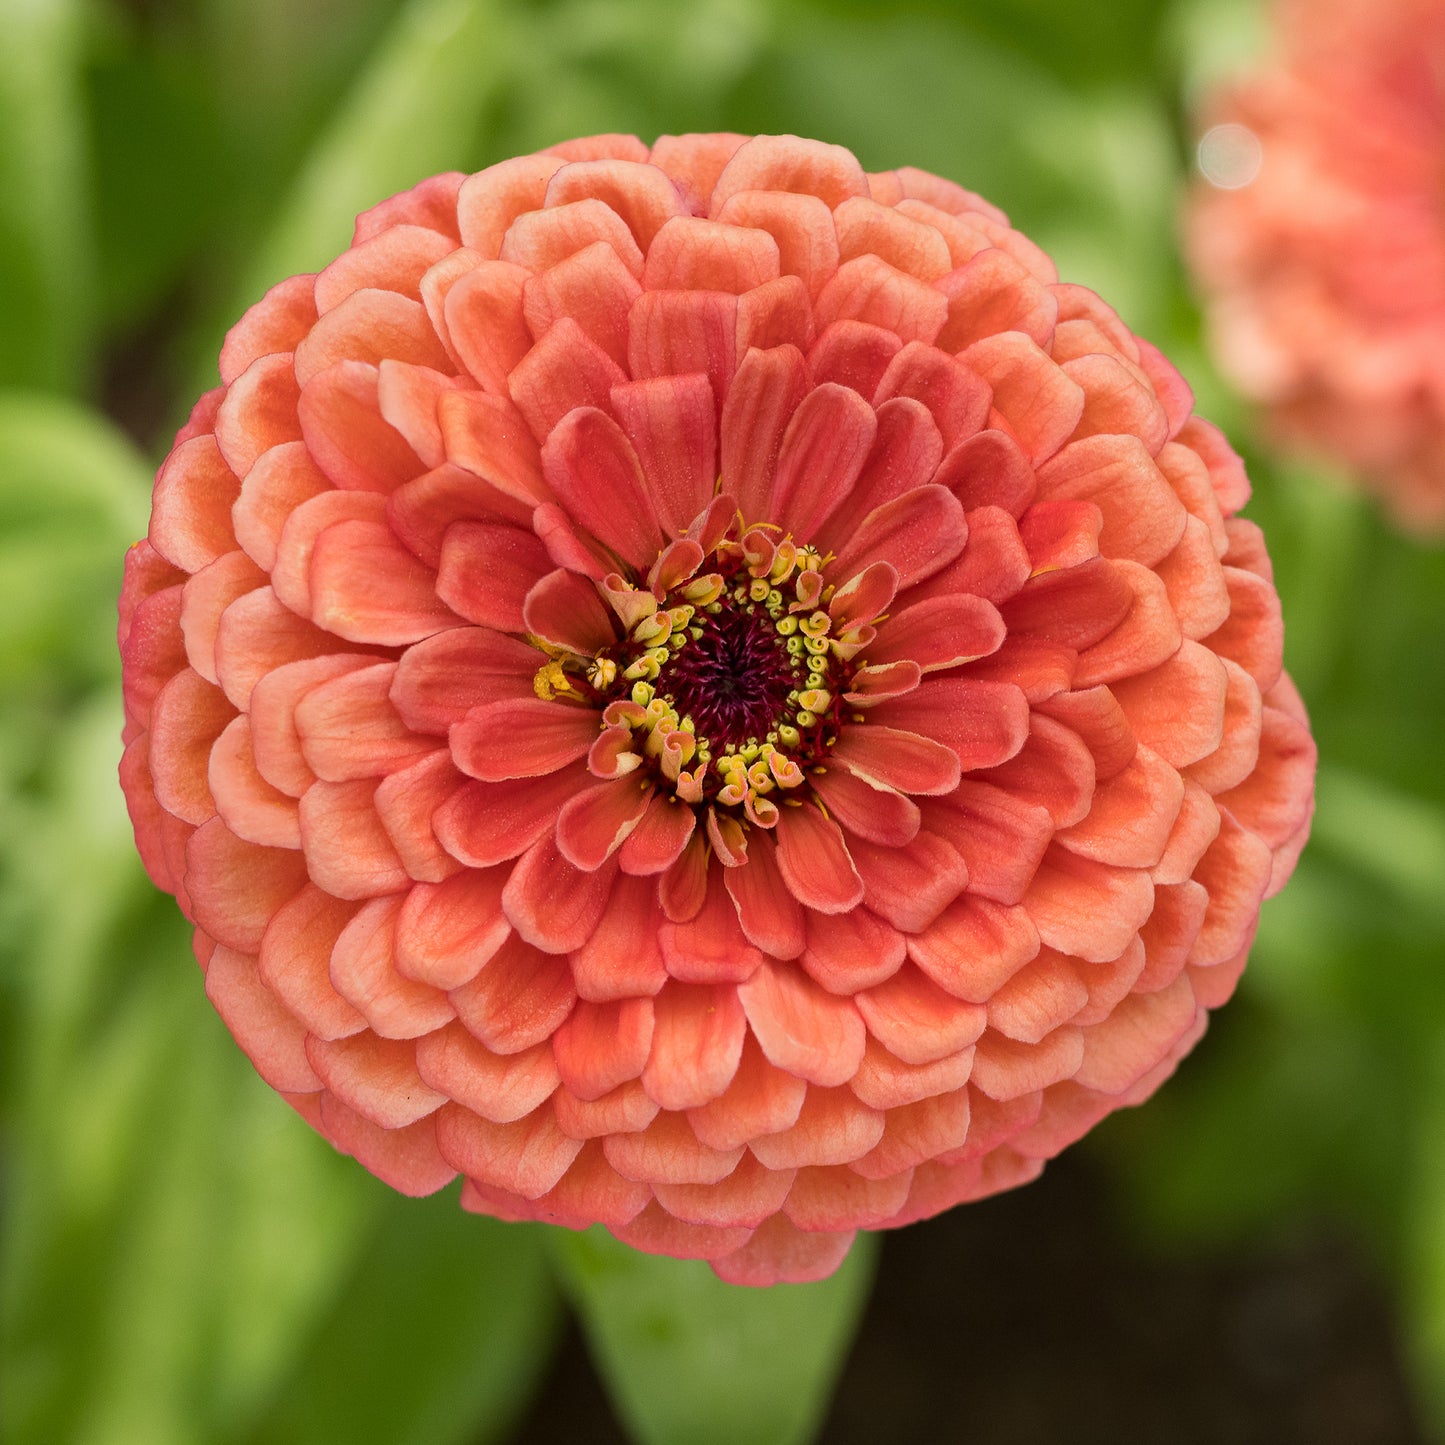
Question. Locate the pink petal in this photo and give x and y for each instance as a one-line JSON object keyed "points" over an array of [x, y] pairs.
{"points": [[694, 162], [837, 1198], [760, 1099], [486, 572], [768, 913], [985, 723], [812, 1034], [259, 412], [431, 203], [870, 290], [446, 932], [623, 958], [491, 200], [347, 849], [1000, 837], [696, 1044], [251, 808], [911, 885], [422, 511], [1143, 518], [346, 435], [484, 322], [814, 861], [596, 477], [256, 636], [593, 824], [500, 1087], [235, 887], [406, 802], [273, 702], [778, 1253], [1178, 708], [657, 1232], [902, 760], [291, 572], [540, 239], [1032, 396], [955, 397], [552, 904], [867, 229], [1086, 908], [603, 1045], [1148, 635], [483, 824], [1132, 816], [802, 226], [917, 1021], [189, 715], [565, 369], [191, 506], [406, 1158], [765, 392], [439, 679], [407, 397], [522, 737], [833, 1127], [394, 259], [488, 436], [777, 313], [885, 1082], [592, 288], [348, 727], [917, 1133], [635, 191], [746, 1197], [674, 333], [850, 951], [974, 947], [920, 533], [866, 810], [592, 1191], [366, 587], [820, 456], [277, 484], [671, 422], [668, 1152], [692, 254], [376, 1077], [1096, 717], [527, 1156], [1040, 997], [1006, 1070], [363, 970], [295, 962], [274, 324], [854, 354], [785, 163], [659, 837], [518, 999], [370, 325], [710, 947], [1135, 1037], [565, 609], [1236, 871], [992, 293], [1118, 399], [270, 1037], [1053, 769]]}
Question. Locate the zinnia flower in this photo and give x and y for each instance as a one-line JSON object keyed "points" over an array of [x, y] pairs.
{"points": [[704, 691], [1321, 244]]}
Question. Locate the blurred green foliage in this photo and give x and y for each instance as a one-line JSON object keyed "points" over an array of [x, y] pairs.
{"points": [[182, 1260]]}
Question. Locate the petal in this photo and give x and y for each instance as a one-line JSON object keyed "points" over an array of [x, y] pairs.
{"points": [[446, 932], [441, 678], [348, 727], [833, 1127], [710, 947], [376, 1077], [623, 958], [483, 824], [346, 847], [603, 1045], [779, 1253], [765, 392], [984, 723], [820, 457], [517, 1000], [270, 1037], [866, 810], [499, 1087], [850, 951], [593, 824], [527, 1156], [814, 861], [521, 737], [888, 757], [1086, 908], [668, 1152], [814, 1035], [974, 947], [363, 970], [235, 887], [295, 962], [347, 436], [912, 884], [671, 422], [696, 1044], [552, 904], [596, 477]]}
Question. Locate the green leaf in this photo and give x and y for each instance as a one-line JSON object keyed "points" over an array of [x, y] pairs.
{"points": [[415, 110], [440, 1334], [45, 243], [170, 1229], [690, 1360]]}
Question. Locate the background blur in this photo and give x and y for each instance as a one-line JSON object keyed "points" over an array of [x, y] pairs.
{"points": [[1257, 1255]]}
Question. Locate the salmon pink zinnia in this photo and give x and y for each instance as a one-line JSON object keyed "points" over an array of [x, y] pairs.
{"points": [[1321, 241], [704, 690]]}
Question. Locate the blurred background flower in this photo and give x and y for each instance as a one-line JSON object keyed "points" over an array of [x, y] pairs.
{"points": [[1259, 1254], [1318, 233]]}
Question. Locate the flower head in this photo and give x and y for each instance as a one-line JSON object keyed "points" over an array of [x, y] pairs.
{"points": [[1320, 240], [704, 691]]}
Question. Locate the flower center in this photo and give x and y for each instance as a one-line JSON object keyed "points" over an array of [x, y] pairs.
{"points": [[728, 683]]}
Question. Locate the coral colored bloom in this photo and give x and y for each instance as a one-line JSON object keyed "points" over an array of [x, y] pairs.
{"points": [[1321, 244], [704, 691]]}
